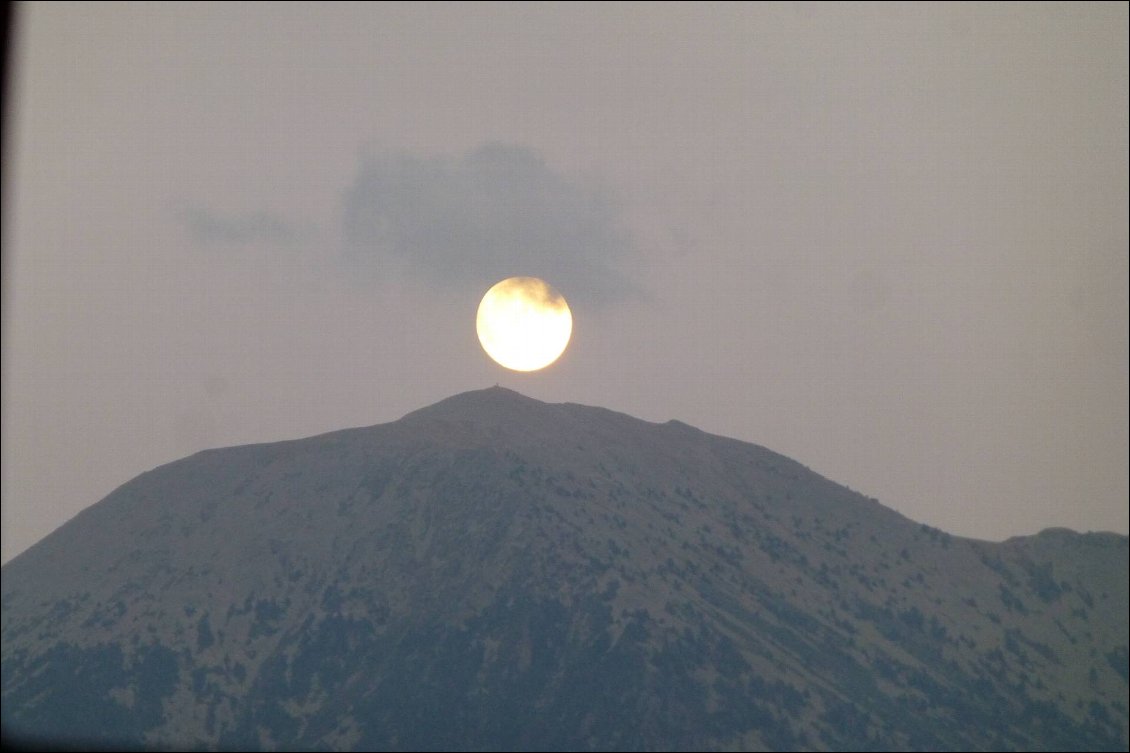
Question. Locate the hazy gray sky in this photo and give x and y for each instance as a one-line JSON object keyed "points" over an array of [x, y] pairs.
{"points": [[886, 240]]}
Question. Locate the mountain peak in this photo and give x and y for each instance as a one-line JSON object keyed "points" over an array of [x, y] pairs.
{"points": [[492, 403], [493, 571]]}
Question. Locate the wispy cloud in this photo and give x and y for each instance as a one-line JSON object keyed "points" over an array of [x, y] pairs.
{"points": [[495, 212], [209, 228]]}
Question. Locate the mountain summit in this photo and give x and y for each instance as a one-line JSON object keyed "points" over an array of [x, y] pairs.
{"points": [[494, 572]]}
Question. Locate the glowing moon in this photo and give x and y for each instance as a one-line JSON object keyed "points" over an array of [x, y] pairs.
{"points": [[523, 323]]}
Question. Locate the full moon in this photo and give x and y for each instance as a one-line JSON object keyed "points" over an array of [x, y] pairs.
{"points": [[523, 323]]}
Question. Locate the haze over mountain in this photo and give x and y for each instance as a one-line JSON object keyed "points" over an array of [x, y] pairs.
{"points": [[496, 572]]}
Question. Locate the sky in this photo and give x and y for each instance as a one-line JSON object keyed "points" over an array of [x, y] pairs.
{"points": [[886, 240]]}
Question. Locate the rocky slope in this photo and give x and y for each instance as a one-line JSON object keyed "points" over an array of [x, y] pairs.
{"points": [[496, 572]]}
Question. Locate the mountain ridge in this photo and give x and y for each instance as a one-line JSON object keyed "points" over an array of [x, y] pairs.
{"points": [[494, 571]]}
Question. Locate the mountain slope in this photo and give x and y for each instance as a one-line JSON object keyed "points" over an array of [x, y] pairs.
{"points": [[497, 572]]}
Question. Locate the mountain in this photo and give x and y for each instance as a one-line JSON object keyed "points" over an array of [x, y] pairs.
{"points": [[494, 572]]}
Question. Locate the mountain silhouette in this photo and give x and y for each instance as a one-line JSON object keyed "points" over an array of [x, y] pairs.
{"points": [[494, 572]]}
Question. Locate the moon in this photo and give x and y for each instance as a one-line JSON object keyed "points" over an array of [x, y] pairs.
{"points": [[523, 323]]}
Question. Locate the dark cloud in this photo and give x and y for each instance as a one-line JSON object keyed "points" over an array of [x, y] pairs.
{"points": [[209, 228], [496, 212]]}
